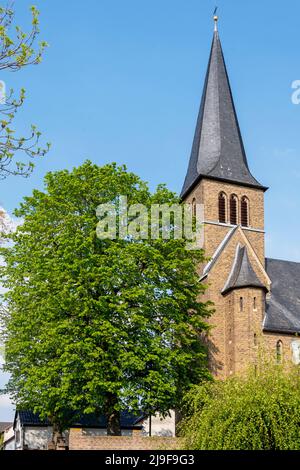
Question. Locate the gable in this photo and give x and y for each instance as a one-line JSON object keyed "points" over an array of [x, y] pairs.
{"points": [[223, 259]]}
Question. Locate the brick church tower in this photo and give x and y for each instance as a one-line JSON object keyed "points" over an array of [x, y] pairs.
{"points": [[218, 177]]}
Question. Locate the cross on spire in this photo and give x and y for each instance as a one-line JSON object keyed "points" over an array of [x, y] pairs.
{"points": [[216, 18]]}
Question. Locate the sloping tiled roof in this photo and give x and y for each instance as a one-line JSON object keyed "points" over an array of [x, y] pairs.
{"points": [[218, 150], [27, 418], [242, 273], [128, 420], [4, 426], [283, 307]]}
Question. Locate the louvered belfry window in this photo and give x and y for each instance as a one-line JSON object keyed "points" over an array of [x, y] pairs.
{"points": [[222, 208], [244, 212], [233, 210]]}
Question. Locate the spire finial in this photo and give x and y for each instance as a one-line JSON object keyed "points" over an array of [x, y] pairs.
{"points": [[216, 18]]}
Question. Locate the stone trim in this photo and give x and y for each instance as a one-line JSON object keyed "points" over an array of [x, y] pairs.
{"points": [[250, 229]]}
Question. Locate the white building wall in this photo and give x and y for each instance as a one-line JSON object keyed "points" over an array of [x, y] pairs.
{"points": [[9, 438], [18, 435], [164, 427], [10, 445], [37, 438]]}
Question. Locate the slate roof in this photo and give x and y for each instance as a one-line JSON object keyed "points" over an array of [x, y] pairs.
{"points": [[218, 150], [283, 307], [28, 418], [242, 273], [128, 420]]}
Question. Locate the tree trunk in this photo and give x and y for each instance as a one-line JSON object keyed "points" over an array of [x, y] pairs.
{"points": [[57, 438], [114, 424], [113, 416]]}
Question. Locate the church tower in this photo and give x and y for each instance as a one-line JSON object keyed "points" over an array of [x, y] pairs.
{"points": [[219, 177]]}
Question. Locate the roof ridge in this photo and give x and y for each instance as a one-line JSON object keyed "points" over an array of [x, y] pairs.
{"points": [[282, 260]]}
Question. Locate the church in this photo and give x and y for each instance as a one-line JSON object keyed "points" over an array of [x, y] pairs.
{"points": [[256, 299]]}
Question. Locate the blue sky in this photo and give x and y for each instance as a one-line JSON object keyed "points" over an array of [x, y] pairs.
{"points": [[122, 81]]}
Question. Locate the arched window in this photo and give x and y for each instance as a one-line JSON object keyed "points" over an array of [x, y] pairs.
{"points": [[245, 212], [194, 208], [254, 304], [222, 208], [279, 352], [233, 209], [241, 304], [255, 339]]}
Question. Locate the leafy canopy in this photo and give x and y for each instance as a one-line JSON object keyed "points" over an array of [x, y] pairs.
{"points": [[98, 325]]}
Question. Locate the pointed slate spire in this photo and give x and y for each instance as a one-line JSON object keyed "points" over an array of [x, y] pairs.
{"points": [[218, 151], [242, 273]]}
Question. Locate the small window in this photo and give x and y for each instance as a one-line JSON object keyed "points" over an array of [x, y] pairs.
{"points": [[254, 303], [233, 210], [255, 339], [222, 208], [279, 352], [244, 212], [194, 207], [241, 304]]}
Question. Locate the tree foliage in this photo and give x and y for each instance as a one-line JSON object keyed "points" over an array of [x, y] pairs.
{"points": [[245, 413], [98, 325], [17, 50]]}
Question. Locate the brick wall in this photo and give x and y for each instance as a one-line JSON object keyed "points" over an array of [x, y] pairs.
{"points": [[207, 192], [236, 340], [270, 342], [231, 342], [78, 440]]}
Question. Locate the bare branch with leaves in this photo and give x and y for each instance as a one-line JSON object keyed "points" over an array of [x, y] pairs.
{"points": [[18, 50]]}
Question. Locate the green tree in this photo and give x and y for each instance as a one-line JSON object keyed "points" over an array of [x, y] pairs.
{"points": [[245, 413], [96, 325], [17, 50]]}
